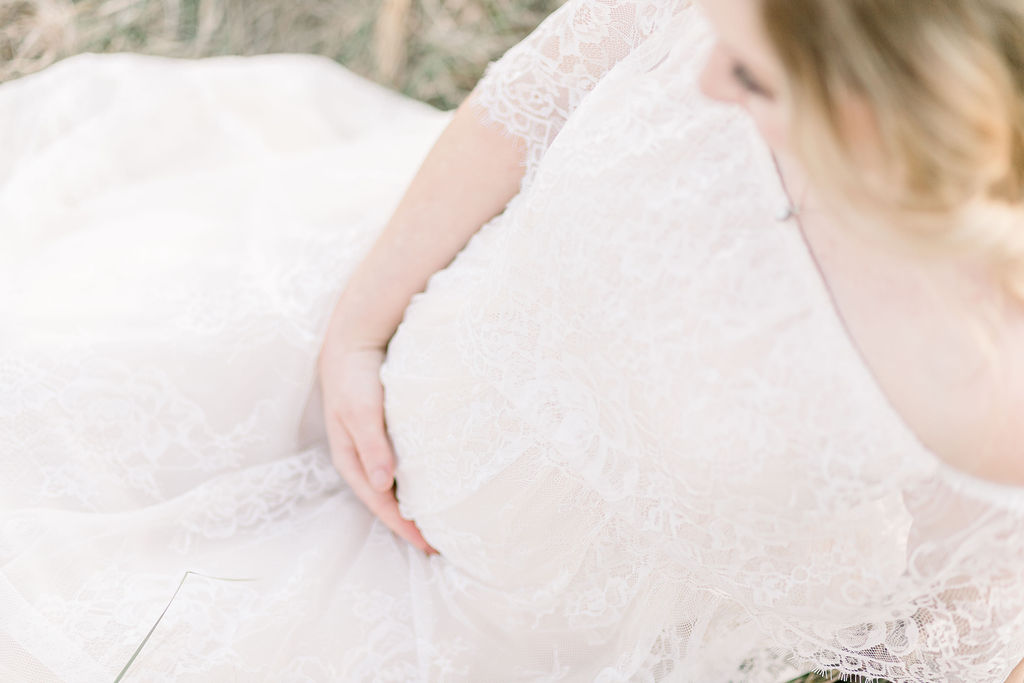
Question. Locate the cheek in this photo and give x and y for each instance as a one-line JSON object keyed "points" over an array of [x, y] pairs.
{"points": [[718, 83], [772, 121], [715, 80]]}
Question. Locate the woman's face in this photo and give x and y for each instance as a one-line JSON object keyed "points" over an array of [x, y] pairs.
{"points": [[744, 70]]}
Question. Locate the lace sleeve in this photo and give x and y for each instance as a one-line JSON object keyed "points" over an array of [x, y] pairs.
{"points": [[534, 87]]}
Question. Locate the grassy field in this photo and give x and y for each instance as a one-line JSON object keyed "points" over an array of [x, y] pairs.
{"points": [[434, 50]]}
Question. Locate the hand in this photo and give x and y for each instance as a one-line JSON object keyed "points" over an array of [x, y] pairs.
{"points": [[353, 401]]}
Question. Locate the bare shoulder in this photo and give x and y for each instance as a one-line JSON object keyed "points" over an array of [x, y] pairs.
{"points": [[991, 432], [958, 381], [956, 377], [982, 404], [943, 344]]}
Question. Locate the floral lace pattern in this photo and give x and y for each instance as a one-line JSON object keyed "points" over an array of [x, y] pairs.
{"points": [[540, 82], [626, 413]]}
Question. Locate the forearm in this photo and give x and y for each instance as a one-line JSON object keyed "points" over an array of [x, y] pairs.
{"points": [[467, 178]]}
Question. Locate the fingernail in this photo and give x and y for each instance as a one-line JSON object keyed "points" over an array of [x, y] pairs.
{"points": [[380, 480], [431, 551]]}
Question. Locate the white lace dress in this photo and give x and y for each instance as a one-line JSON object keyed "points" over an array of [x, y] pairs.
{"points": [[627, 414]]}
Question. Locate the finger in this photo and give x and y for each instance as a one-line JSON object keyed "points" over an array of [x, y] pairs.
{"points": [[381, 503], [386, 507], [343, 451], [365, 424]]}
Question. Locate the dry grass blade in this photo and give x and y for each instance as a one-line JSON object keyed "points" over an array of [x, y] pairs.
{"points": [[389, 38], [124, 670]]}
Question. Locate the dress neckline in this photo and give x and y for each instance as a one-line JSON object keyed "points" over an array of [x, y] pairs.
{"points": [[1008, 495]]}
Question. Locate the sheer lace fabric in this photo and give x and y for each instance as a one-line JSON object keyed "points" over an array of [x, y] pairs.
{"points": [[627, 413], [538, 83]]}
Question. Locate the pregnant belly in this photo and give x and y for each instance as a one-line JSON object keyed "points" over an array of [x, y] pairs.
{"points": [[478, 430]]}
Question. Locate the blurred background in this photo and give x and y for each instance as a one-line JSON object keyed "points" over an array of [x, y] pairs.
{"points": [[433, 50]]}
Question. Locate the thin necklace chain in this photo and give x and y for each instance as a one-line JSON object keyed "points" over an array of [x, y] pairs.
{"points": [[791, 210]]}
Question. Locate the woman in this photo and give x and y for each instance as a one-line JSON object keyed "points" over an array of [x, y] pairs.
{"points": [[637, 433]]}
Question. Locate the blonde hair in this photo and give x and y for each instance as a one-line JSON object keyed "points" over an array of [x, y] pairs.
{"points": [[916, 108]]}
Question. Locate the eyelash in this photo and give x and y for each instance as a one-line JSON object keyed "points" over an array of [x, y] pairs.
{"points": [[747, 81]]}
